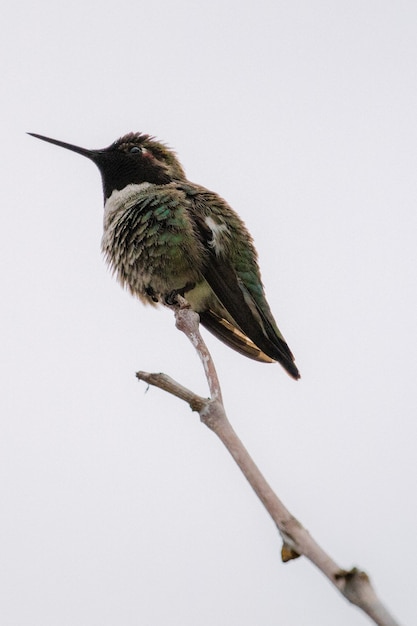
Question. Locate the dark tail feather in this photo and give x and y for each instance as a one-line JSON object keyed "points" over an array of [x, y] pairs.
{"points": [[237, 340], [227, 289], [231, 336]]}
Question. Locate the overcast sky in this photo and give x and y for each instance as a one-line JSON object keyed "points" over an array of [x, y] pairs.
{"points": [[118, 506]]}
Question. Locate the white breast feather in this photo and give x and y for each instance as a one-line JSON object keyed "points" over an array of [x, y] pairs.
{"points": [[124, 198]]}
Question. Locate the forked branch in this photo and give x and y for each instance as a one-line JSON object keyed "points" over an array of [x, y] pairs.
{"points": [[297, 541]]}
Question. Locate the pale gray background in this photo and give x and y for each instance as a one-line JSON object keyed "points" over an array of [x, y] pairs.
{"points": [[117, 506]]}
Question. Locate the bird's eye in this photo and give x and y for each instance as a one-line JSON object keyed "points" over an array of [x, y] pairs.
{"points": [[135, 150]]}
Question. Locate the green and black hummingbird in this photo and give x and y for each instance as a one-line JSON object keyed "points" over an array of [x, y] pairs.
{"points": [[166, 236]]}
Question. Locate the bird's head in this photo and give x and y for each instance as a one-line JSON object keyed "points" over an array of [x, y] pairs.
{"points": [[134, 158]]}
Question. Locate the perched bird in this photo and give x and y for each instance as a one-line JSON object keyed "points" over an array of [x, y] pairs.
{"points": [[166, 236]]}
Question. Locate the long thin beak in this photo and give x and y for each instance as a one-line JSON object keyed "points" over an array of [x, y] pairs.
{"points": [[90, 154]]}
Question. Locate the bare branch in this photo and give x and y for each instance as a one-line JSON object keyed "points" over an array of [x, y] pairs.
{"points": [[354, 584], [189, 323]]}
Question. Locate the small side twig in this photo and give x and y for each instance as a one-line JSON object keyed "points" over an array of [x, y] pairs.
{"points": [[353, 584], [166, 383]]}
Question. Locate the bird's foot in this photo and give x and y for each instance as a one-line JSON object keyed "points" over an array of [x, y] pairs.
{"points": [[171, 298], [150, 292]]}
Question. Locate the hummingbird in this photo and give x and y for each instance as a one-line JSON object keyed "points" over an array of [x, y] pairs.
{"points": [[165, 237]]}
